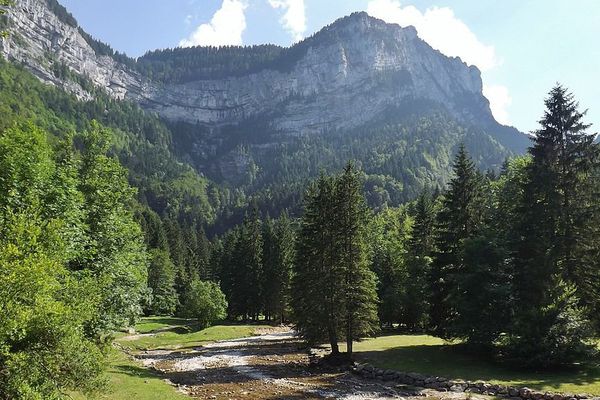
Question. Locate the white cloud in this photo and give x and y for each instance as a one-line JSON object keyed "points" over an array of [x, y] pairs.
{"points": [[439, 27], [225, 28], [500, 100], [294, 18]]}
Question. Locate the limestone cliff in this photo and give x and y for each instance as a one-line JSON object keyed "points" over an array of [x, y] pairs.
{"points": [[346, 75]]}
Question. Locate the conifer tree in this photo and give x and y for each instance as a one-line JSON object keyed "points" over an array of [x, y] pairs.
{"points": [[458, 219], [419, 260], [334, 292], [317, 280], [359, 295], [552, 264], [278, 258], [248, 256], [161, 279]]}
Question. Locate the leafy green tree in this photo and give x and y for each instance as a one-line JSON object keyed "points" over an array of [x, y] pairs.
{"points": [[45, 307], [161, 279], [388, 237], [205, 302], [115, 253]]}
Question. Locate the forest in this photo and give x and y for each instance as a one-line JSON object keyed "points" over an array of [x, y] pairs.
{"points": [[106, 217], [102, 224]]}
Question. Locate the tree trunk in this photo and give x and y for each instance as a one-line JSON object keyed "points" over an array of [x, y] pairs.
{"points": [[333, 341], [349, 339]]}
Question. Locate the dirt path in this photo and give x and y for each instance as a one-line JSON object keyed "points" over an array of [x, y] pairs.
{"points": [[272, 365]]}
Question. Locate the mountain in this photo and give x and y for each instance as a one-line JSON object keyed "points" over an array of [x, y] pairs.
{"points": [[263, 119]]}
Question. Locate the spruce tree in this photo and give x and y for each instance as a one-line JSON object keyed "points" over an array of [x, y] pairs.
{"points": [[419, 260], [317, 280], [248, 278], [458, 219], [359, 286], [552, 263], [334, 292]]}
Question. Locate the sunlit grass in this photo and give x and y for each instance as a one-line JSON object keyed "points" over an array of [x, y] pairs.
{"points": [[433, 356]]}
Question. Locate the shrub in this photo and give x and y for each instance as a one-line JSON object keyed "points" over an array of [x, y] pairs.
{"points": [[205, 302]]}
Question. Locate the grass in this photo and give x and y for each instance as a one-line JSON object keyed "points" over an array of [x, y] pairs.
{"points": [[432, 356], [184, 336], [129, 380]]}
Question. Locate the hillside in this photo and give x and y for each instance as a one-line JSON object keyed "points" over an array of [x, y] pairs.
{"points": [[262, 120]]}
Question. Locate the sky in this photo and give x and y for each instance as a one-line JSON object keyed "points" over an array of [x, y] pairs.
{"points": [[523, 48]]}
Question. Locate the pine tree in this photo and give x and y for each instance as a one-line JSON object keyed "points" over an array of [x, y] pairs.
{"points": [[317, 280], [334, 291], [284, 232], [278, 258], [269, 258], [248, 278], [359, 287], [419, 260], [458, 219], [552, 260]]}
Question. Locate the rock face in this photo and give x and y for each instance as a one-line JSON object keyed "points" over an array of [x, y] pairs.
{"points": [[347, 74]]}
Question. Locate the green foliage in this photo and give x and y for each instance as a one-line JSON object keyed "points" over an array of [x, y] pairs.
{"points": [[554, 275], [205, 302], [44, 348], [278, 260], [458, 219], [115, 253], [161, 279], [421, 249], [389, 233], [334, 290]]}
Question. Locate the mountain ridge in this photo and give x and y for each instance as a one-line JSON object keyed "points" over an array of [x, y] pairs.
{"points": [[321, 83], [358, 89]]}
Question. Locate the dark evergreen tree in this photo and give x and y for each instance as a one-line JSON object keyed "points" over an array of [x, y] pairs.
{"points": [[552, 263], [317, 279], [458, 219], [359, 287], [278, 258], [419, 260], [248, 277], [334, 291]]}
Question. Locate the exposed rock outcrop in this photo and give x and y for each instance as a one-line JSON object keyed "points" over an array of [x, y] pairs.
{"points": [[349, 73]]}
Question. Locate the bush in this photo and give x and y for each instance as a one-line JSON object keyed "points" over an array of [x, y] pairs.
{"points": [[205, 302]]}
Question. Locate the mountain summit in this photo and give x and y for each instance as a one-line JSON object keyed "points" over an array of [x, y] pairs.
{"points": [[232, 106]]}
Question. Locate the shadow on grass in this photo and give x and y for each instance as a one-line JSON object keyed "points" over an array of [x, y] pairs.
{"points": [[457, 362]]}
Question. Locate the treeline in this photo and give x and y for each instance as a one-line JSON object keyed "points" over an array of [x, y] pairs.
{"points": [[507, 263], [253, 263]]}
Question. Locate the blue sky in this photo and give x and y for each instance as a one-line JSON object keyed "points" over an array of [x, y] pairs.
{"points": [[522, 47]]}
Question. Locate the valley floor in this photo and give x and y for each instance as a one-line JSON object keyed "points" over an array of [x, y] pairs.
{"points": [[168, 359], [270, 365]]}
